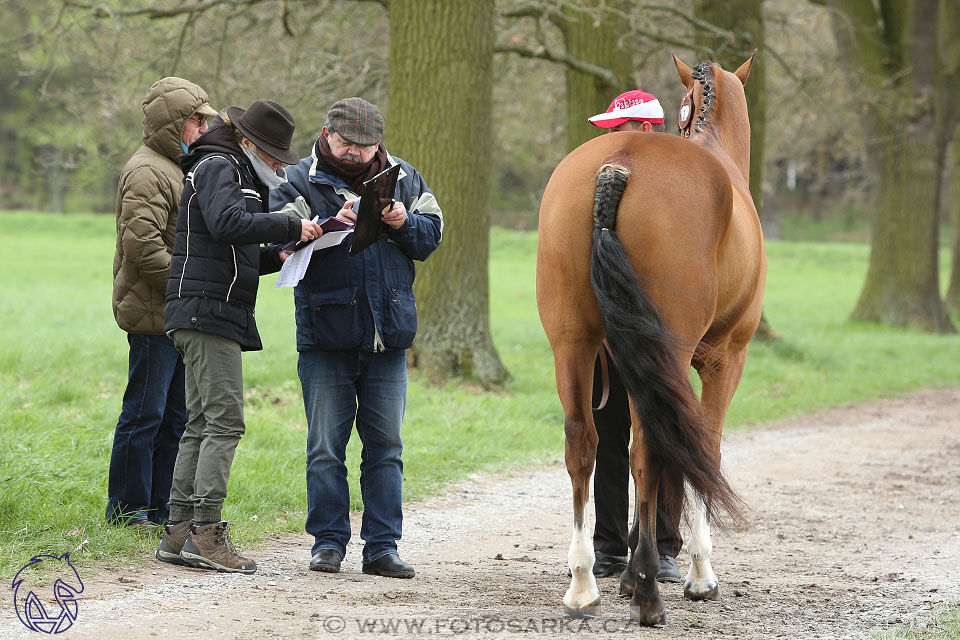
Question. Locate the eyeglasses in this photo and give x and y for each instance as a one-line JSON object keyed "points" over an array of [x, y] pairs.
{"points": [[198, 120]]}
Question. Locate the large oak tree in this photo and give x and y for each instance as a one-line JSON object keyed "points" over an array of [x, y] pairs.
{"points": [[891, 50], [440, 118]]}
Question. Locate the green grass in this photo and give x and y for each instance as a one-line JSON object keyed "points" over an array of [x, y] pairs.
{"points": [[63, 368], [944, 626]]}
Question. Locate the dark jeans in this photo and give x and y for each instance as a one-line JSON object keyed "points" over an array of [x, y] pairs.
{"points": [[611, 480], [148, 431], [338, 388]]}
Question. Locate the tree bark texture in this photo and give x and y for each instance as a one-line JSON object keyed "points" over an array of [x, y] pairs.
{"points": [[893, 53], [593, 33], [439, 119], [948, 105], [953, 291], [744, 21]]}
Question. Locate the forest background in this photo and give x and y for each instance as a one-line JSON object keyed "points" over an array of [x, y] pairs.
{"points": [[854, 106], [71, 86]]}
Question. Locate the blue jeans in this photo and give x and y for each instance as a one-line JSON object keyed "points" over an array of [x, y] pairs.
{"points": [[338, 387], [148, 432]]}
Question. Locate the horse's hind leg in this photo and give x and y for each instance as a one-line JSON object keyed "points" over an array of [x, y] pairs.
{"points": [[640, 578], [574, 385], [720, 377], [701, 582]]}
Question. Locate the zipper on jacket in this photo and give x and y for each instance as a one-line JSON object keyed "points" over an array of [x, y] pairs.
{"points": [[186, 255], [230, 288]]}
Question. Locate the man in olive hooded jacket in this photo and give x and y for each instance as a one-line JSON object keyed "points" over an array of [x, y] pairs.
{"points": [[153, 415]]}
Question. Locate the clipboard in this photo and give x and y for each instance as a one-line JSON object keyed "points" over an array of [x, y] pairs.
{"points": [[378, 192]]}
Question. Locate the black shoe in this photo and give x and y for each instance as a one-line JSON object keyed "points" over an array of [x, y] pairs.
{"points": [[326, 560], [668, 569], [607, 564], [390, 566]]}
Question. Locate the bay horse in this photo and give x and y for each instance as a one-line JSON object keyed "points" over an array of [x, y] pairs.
{"points": [[652, 242]]}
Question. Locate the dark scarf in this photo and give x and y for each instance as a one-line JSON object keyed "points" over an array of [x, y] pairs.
{"points": [[354, 174]]}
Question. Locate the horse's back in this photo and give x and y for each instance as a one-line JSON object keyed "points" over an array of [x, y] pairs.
{"points": [[672, 219]]}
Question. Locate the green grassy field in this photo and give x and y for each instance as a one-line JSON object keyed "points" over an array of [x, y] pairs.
{"points": [[63, 368], [945, 625]]}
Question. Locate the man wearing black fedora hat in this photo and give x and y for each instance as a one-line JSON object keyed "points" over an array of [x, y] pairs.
{"points": [[217, 261]]}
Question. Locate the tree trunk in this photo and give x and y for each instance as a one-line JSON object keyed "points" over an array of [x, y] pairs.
{"points": [[594, 36], [953, 291], [893, 52], [439, 119], [745, 20], [948, 105], [902, 286]]}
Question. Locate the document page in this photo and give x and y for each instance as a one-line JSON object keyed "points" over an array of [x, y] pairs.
{"points": [[295, 267]]}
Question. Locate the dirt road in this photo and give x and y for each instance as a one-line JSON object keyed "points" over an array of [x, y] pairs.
{"points": [[855, 525]]}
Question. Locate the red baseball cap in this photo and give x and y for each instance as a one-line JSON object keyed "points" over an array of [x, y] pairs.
{"points": [[632, 105]]}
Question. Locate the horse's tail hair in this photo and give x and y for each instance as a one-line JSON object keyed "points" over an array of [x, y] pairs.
{"points": [[645, 351]]}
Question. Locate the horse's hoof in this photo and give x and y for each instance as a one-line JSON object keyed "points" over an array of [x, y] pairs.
{"points": [[587, 611], [648, 618], [712, 593], [626, 590]]}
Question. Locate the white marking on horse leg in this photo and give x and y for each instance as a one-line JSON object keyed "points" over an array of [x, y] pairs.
{"points": [[701, 582], [583, 596]]}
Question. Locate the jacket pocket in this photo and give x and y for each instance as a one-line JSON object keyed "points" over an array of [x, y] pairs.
{"points": [[226, 314], [335, 316], [400, 319]]}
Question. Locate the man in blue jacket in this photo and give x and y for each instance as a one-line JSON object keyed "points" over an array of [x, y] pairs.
{"points": [[356, 316]]}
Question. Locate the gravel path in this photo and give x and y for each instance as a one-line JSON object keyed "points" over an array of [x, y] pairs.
{"points": [[855, 525]]}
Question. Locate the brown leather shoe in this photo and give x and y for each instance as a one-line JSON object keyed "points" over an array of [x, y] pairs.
{"points": [[210, 546], [172, 544]]}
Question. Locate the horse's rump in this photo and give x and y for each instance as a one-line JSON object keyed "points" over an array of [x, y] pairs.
{"points": [[672, 219]]}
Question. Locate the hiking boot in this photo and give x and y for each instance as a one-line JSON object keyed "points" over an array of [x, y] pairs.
{"points": [[210, 546], [172, 544]]}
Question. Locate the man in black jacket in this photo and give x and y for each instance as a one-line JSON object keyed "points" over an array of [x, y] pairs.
{"points": [[211, 295]]}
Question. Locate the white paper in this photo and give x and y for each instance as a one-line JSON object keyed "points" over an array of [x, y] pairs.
{"points": [[295, 267]]}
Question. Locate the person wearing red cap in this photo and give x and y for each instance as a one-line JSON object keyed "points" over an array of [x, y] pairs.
{"points": [[630, 111]]}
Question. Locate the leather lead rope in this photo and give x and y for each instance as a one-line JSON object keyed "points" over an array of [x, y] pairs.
{"points": [[604, 376]]}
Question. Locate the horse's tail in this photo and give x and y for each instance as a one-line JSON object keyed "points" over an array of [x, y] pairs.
{"points": [[645, 351]]}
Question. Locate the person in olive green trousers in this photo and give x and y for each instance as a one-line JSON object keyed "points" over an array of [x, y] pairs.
{"points": [[153, 415]]}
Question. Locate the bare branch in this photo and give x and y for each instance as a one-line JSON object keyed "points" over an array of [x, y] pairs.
{"points": [[284, 17], [105, 11], [783, 63], [546, 54], [183, 36], [383, 3], [688, 17]]}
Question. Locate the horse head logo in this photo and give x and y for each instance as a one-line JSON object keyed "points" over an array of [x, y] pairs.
{"points": [[32, 610]]}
